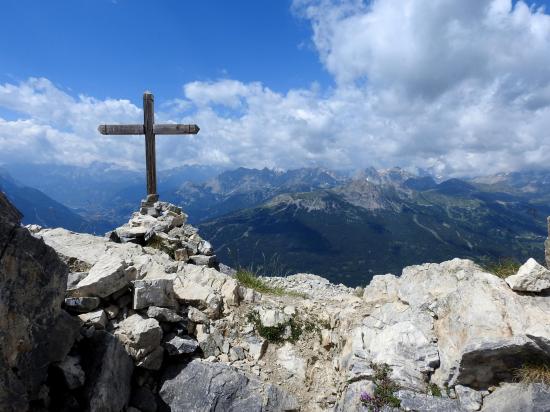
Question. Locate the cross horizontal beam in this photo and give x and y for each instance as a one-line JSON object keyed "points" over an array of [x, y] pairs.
{"points": [[129, 129]]}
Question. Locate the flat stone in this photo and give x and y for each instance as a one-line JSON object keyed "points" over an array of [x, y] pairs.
{"points": [[180, 345], [531, 277], [107, 276], [203, 260], [219, 387], [154, 292], [518, 397], [97, 319], [82, 304], [163, 314]]}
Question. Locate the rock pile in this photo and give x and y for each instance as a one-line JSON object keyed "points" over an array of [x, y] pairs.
{"points": [[145, 321], [163, 226]]}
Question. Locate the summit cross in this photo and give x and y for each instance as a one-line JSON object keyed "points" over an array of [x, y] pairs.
{"points": [[150, 130]]}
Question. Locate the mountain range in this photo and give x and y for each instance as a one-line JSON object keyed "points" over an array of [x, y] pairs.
{"points": [[346, 227]]}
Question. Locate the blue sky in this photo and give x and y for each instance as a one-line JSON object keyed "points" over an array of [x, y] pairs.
{"points": [[455, 87], [117, 48]]}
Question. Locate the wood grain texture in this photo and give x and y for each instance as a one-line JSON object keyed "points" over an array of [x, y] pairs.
{"points": [[121, 129], [175, 129], [150, 156]]}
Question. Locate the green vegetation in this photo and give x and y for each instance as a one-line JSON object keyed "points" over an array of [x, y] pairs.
{"points": [[250, 280], [434, 390], [503, 267], [534, 372], [289, 331], [384, 394]]}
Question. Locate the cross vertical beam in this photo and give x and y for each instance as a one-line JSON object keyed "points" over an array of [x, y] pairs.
{"points": [[150, 130], [150, 155]]}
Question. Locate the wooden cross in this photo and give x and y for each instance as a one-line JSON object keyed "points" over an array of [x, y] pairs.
{"points": [[150, 130]]}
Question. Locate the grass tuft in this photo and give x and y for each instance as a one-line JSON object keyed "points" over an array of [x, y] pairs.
{"points": [[289, 331], [252, 281], [534, 373], [503, 267]]}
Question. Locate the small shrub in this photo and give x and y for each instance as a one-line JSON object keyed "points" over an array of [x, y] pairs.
{"points": [[434, 390], [384, 394], [276, 334], [534, 372], [503, 267], [359, 291]]}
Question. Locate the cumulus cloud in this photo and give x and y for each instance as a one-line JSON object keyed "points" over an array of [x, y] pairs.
{"points": [[458, 87]]}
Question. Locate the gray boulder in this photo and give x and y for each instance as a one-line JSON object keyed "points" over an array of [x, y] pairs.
{"points": [[35, 331], [108, 370], [139, 335], [163, 314], [531, 277], [154, 292], [107, 276], [518, 397], [204, 386]]}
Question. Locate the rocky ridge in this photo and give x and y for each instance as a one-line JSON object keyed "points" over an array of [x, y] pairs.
{"points": [[160, 325]]}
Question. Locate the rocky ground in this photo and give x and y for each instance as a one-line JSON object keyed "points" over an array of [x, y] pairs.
{"points": [[146, 319]]}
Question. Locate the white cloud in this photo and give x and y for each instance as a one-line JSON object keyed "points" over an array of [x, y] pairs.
{"points": [[461, 87]]}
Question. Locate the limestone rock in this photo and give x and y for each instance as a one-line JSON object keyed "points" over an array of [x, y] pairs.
{"points": [[488, 361], [218, 387], [414, 401], [230, 292], [518, 397], [203, 260], [97, 319], [153, 360], [288, 359], [163, 314], [531, 277], [256, 347], [73, 279], [154, 292], [211, 343], [180, 345], [108, 371], [470, 399], [82, 304], [196, 316], [272, 317], [139, 335], [107, 276], [35, 330]]}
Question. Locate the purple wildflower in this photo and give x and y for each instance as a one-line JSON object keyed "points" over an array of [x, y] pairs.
{"points": [[365, 397]]}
